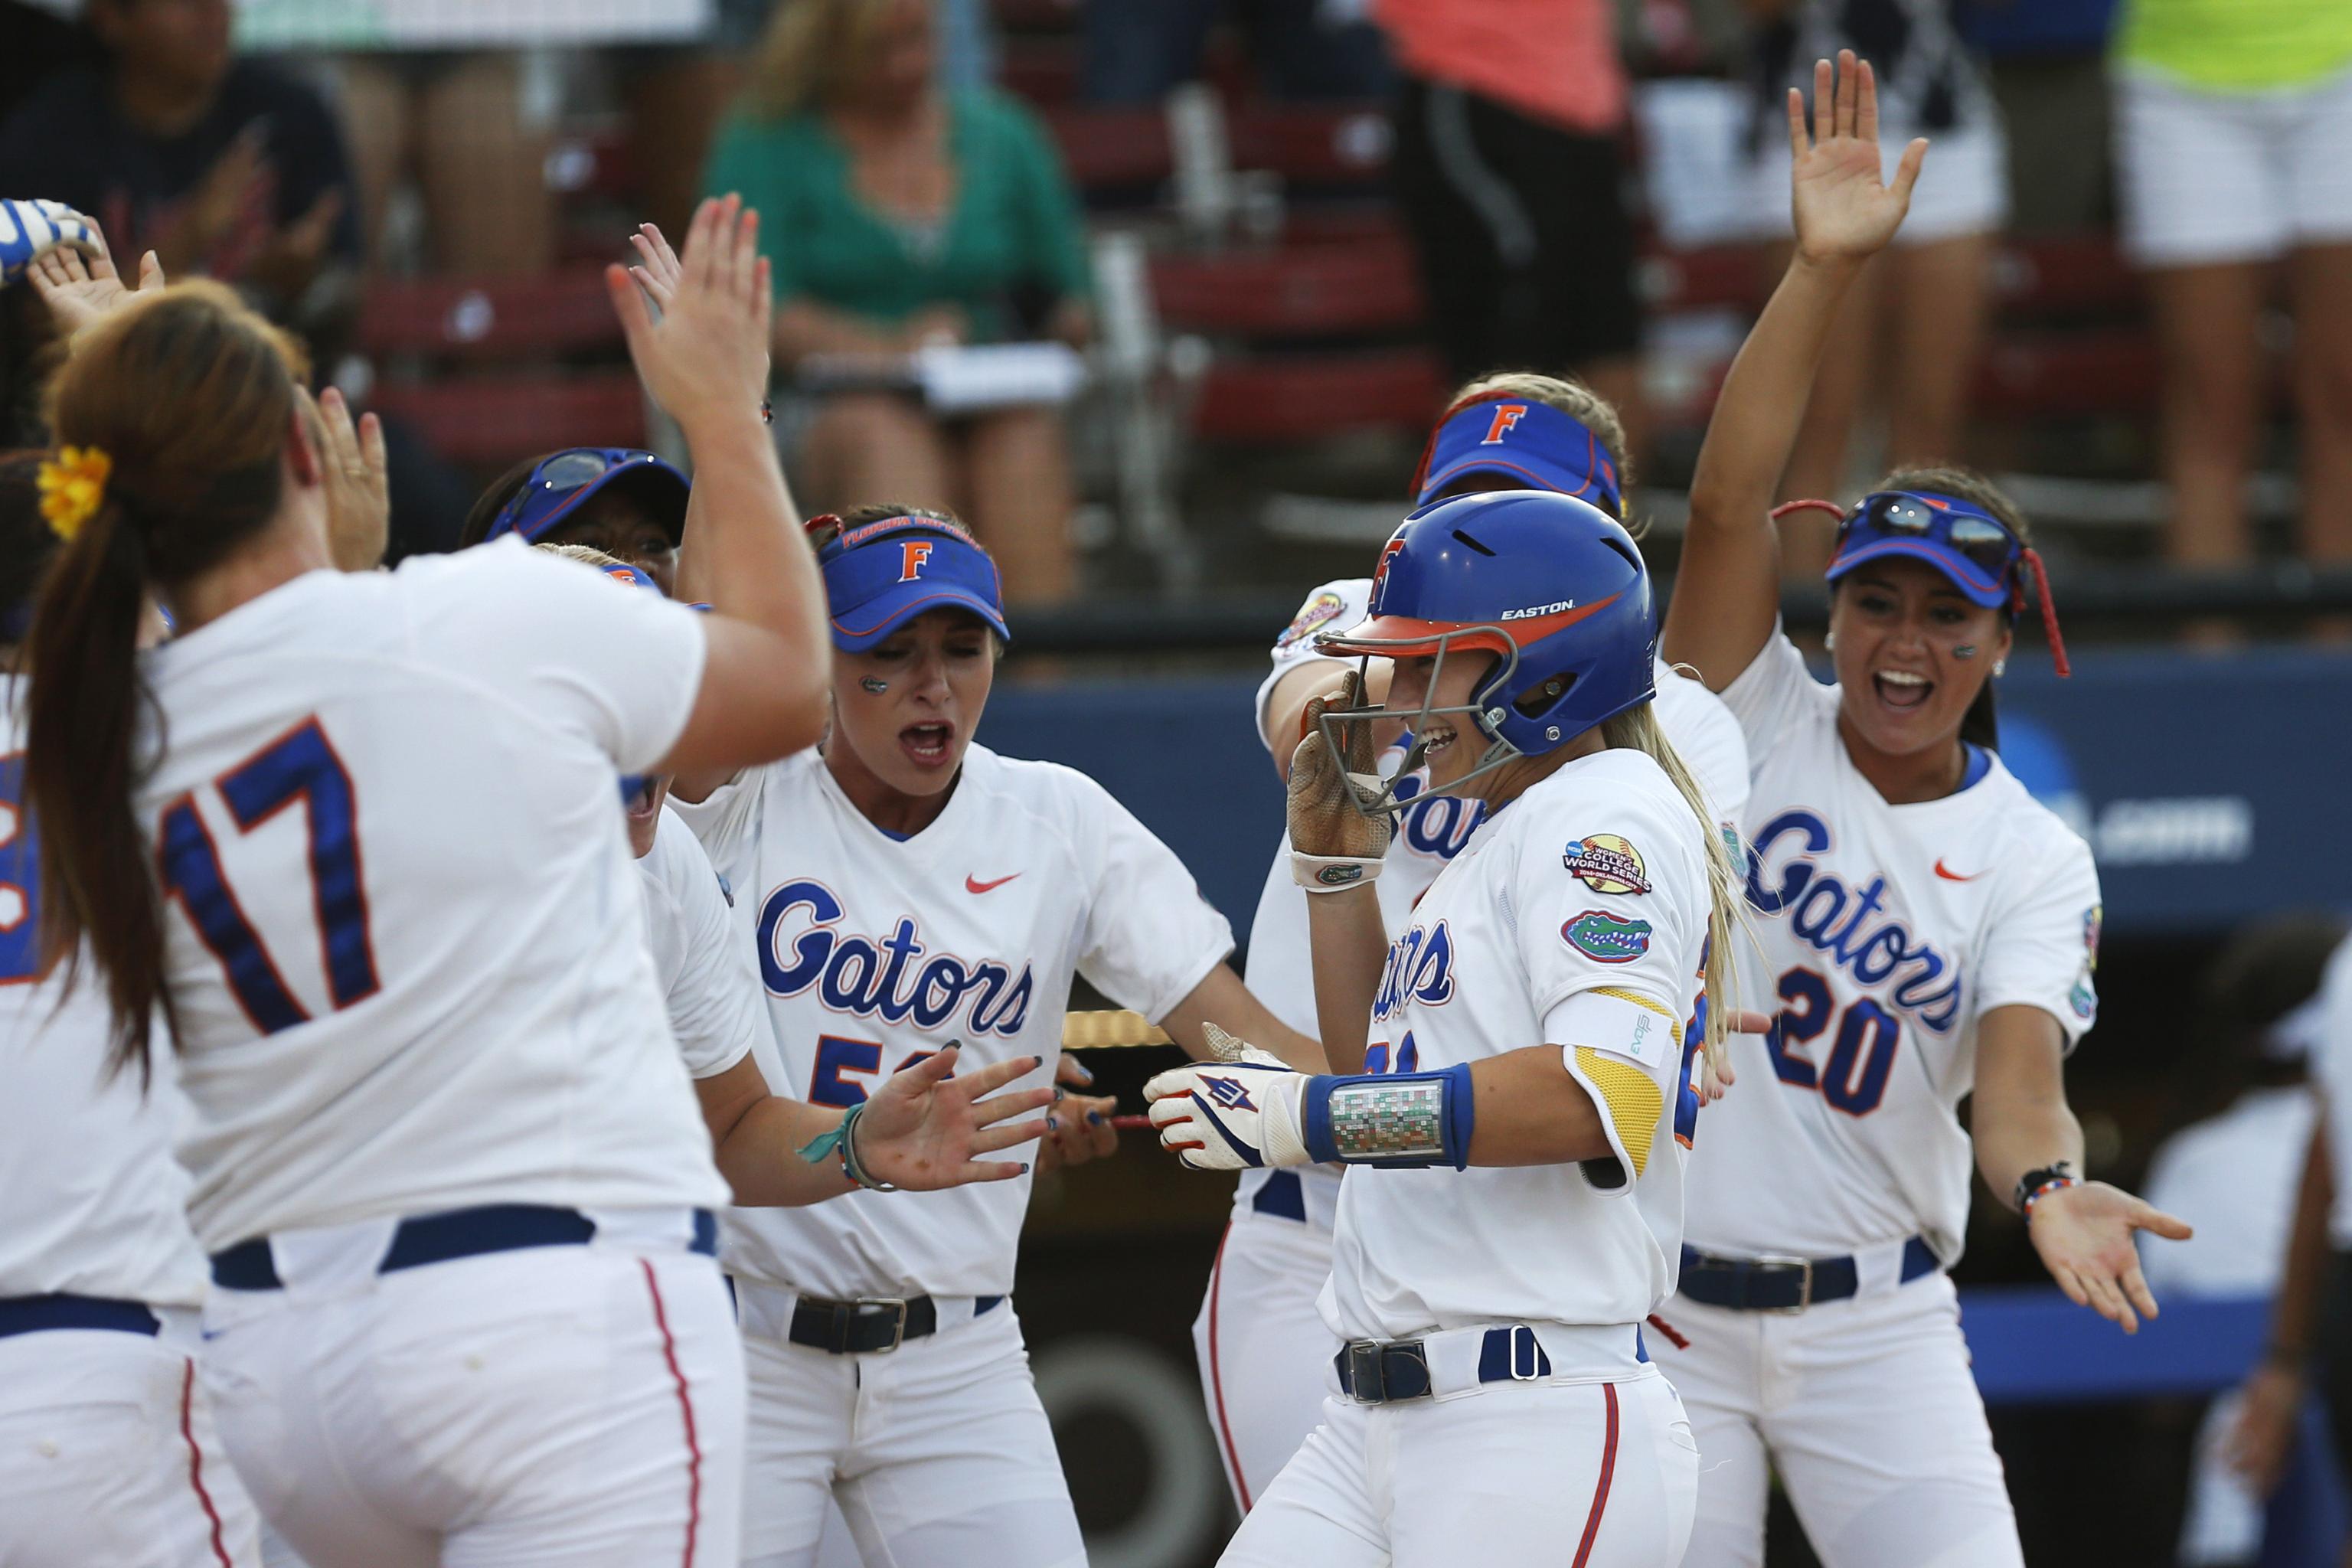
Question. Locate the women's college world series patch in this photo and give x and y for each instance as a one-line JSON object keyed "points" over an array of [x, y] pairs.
{"points": [[1316, 612], [1606, 863]]}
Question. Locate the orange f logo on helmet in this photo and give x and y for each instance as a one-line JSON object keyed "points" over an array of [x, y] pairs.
{"points": [[912, 553], [1505, 417]]}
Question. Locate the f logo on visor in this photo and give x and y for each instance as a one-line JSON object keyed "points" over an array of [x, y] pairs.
{"points": [[911, 556], [1506, 417]]}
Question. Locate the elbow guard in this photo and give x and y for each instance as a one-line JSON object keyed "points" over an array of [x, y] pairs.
{"points": [[1408, 1121]]}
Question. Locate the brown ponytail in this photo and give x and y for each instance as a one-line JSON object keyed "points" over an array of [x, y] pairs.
{"points": [[190, 397]]}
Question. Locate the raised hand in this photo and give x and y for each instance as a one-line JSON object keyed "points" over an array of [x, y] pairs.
{"points": [[2083, 1233], [660, 271], [1079, 1129], [1323, 817], [79, 290], [359, 484], [708, 355], [1843, 210], [924, 1130]]}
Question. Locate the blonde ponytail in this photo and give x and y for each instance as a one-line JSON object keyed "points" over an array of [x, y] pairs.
{"points": [[1637, 729]]}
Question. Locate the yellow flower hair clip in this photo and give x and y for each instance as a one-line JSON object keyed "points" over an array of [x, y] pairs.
{"points": [[73, 486]]}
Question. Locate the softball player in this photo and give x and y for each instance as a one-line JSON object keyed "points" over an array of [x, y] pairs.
{"points": [[107, 1452], [906, 888], [919, 1132], [1928, 931], [1259, 1338], [390, 919], [1543, 1011]]}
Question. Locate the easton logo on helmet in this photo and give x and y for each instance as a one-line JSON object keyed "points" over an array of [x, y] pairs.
{"points": [[1607, 938], [1606, 863], [1532, 611]]}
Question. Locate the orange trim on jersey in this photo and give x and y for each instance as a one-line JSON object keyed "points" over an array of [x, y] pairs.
{"points": [[685, 1406]]}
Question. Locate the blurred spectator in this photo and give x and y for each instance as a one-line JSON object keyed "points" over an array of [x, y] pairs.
{"points": [[2233, 1176], [42, 42], [220, 165], [456, 122], [1137, 50], [1910, 330], [1511, 178], [676, 95], [896, 216], [2233, 122]]}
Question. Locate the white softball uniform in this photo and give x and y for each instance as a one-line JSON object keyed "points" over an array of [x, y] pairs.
{"points": [[703, 965], [405, 938], [1887, 932], [875, 951], [1264, 1350], [1577, 916], [107, 1448]]}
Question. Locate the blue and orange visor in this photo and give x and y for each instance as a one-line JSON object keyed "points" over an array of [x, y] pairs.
{"points": [[880, 576], [1958, 538], [563, 480], [1523, 445]]}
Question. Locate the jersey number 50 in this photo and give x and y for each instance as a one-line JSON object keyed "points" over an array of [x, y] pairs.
{"points": [[1854, 1078], [299, 765]]}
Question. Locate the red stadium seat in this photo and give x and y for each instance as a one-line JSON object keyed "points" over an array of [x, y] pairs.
{"points": [[2063, 273], [1274, 400], [565, 311], [2028, 376], [492, 421], [1111, 149], [1313, 144], [1294, 292]]}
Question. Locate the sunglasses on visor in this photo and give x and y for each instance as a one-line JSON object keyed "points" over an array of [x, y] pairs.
{"points": [[1898, 514]]}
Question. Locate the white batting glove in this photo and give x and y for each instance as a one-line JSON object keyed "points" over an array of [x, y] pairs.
{"points": [[1240, 1112], [30, 228]]}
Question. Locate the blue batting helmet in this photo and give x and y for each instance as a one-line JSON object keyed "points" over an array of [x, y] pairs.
{"points": [[1552, 584]]}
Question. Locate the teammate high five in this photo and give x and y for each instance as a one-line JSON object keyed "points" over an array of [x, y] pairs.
{"points": [[1927, 929], [382, 897]]}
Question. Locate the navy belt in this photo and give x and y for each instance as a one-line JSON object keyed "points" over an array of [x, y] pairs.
{"points": [[441, 1237], [1784, 1284], [856, 1327], [31, 1314], [1383, 1374]]}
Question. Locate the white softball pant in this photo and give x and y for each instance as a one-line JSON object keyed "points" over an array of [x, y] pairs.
{"points": [[109, 1455], [937, 1453], [1264, 1350], [1587, 1475], [550, 1408], [1868, 1411]]}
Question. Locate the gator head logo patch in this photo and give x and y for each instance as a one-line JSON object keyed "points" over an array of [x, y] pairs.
{"points": [[1605, 863], [1606, 938]]}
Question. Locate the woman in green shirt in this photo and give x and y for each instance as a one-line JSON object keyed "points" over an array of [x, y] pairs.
{"points": [[2233, 132], [896, 216]]}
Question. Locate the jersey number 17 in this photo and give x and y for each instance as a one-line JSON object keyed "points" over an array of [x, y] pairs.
{"points": [[298, 766]]}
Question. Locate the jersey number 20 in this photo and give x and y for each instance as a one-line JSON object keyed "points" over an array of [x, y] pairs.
{"points": [[299, 765], [1854, 1078]]}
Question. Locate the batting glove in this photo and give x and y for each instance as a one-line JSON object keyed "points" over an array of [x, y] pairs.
{"points": [[30, 228], [1239, 1113]]}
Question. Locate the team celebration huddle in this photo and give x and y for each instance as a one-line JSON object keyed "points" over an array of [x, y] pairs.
{"points": [[539, 1056]]}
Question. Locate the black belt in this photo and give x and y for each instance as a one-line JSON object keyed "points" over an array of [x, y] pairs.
{"points": [[30, 1314], [1381, 1373], [853, 1328], [1784, 1284], [441, 1237]]}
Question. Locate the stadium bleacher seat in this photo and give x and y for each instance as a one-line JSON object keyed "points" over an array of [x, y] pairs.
{"points": [[489, 422], [563, 312]]}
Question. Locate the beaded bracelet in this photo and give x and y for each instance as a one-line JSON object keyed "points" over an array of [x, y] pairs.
{"points": [[843, 1139], [2055, 1183]]}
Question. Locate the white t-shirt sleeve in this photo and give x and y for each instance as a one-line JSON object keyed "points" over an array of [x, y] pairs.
{"points": [[625, 663], [1333, 608], [1150, 937], [1772, 694], [2043, 946], [1607, 912], [1709, 742], [726, 821], [716, 1006]]}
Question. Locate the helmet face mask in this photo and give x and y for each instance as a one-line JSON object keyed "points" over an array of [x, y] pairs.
{"points": [[1379, 797]]}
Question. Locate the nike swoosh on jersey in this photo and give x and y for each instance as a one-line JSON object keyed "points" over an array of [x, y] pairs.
{"points": [[1951, 875], [971, 886]]}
